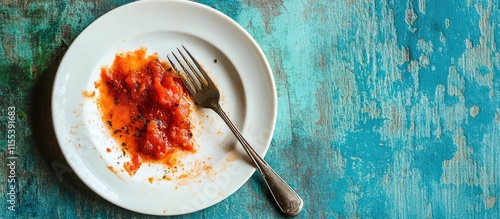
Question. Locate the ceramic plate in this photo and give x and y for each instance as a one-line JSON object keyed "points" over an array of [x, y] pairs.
{"points": [[219, 167]]}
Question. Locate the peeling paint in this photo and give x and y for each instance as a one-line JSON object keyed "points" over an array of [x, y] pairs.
{"points": [[411, 17], [407, 197], [490, 202], [396, 103], [477, 61], [268, 9], [422, 5], [462, 163], [474, 111], [456, 83]]}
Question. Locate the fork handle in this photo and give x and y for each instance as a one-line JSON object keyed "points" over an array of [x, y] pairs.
{"points": [[285, 197]]}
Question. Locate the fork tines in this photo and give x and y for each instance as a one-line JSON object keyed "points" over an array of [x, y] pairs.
{"points": [[190, 68]]}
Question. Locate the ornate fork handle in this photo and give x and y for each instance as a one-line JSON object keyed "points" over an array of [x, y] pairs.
{"points": [[287, 199], [206, 94]]}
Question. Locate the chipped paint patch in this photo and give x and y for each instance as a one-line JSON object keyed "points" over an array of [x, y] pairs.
{"points": [[461, 169], [474, 110], [477, 60], [269, 9], [422, 6], [490, 202], [407, 196], [411, 17]]}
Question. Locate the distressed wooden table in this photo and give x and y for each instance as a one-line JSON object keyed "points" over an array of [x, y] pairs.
{"points": [[386, 109]]}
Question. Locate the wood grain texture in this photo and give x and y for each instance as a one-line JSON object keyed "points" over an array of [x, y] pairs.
{"points": [[386, 109]]}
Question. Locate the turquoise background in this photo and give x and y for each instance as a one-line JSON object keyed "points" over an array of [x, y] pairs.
{"points": [[386, 109]]}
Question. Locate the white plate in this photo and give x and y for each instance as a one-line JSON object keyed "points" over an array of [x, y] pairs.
{"points": [[219, 167]]}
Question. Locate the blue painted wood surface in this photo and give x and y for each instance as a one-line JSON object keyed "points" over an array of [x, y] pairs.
{"points": [[386, 109]]}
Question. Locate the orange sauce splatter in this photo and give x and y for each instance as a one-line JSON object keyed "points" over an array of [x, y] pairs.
{"points": [[88, 94]]}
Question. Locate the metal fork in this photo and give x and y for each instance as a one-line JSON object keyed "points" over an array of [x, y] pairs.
{"points": [[206, 95]]}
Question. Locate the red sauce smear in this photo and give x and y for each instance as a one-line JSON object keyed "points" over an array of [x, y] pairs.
{"points": [[146, 108]]}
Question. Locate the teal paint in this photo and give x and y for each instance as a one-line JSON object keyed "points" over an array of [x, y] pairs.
{"points": [[230, 8], [386, 109]]}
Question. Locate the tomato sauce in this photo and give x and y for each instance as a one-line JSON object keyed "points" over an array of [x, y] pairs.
{"points": [[146, 108]]}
